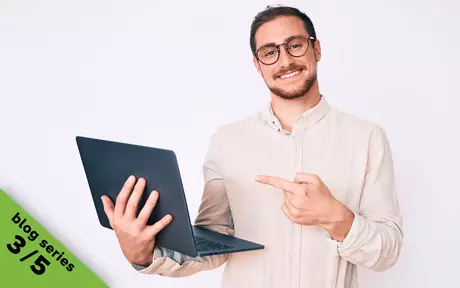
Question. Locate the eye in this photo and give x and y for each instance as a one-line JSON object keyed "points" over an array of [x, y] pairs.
{"points": [[270, 53], [295, 46]]}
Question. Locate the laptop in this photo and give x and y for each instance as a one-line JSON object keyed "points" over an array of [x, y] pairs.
{"points": [[107, 166]]}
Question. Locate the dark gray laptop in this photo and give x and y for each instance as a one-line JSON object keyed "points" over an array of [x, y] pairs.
{"points": [[107, 165]]}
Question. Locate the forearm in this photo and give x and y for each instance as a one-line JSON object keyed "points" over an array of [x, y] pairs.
{"points": [[376, 235], [160, 252]]}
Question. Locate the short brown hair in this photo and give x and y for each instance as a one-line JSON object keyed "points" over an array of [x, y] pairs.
{"points": [[272, 12]]}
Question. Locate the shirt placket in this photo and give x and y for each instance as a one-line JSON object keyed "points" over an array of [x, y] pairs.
{"points": [[297, 144]]}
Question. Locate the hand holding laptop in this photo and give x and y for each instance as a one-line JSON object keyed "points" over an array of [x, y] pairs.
{"points": [[141, 221], [136, 238]]}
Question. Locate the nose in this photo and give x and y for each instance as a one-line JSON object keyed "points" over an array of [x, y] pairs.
{"points": [[285, 58]]}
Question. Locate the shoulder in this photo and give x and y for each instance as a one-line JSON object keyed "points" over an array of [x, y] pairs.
{"points": [[353, 124], [235, 130], [359, 131]]}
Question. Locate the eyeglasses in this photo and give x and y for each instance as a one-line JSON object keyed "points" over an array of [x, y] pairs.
{"points": [[296, 47]]}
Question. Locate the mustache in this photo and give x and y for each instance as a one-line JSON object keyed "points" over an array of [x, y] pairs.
{"points": [[287, 70]]}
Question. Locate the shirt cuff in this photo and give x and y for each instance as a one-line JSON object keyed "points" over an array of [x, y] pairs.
{"points": [[348, 245], [138, 267]]}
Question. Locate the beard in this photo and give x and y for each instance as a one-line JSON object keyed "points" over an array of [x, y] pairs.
{"points": [[293, 93]]}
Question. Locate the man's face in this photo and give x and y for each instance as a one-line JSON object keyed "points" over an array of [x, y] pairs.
{"points": [[290, 77]]}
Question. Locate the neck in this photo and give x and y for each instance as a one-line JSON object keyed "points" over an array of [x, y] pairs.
{"points": [[287, 111]]}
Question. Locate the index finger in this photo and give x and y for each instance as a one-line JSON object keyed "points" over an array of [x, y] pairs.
{"points": [[277, 182], [160, 225]]}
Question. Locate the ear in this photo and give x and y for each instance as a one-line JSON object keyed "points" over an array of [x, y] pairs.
{"points": [[317, 50], [256, 64]]}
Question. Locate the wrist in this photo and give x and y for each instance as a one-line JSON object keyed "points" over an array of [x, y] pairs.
{"points": [[340, 223], [145, 261], [142, 263]]}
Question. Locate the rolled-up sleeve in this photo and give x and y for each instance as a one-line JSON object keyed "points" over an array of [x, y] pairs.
{"points": [[376, 235]]}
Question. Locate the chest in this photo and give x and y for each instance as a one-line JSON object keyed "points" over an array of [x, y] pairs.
{"points": [[339, 160]]}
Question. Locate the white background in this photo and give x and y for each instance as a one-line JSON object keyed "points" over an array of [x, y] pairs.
{"points": [[168, 74]]}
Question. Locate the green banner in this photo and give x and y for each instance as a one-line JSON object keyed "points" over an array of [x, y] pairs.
{"points": [[31, 257]]}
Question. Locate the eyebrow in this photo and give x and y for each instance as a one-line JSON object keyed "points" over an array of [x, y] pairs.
{"points": [[285, 40]]}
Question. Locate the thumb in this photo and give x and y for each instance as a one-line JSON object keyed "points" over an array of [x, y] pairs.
{"points": [[307, 178], [108, 208]]}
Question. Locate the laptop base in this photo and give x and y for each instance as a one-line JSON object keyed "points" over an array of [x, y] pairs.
{"points": [[218, 243]]}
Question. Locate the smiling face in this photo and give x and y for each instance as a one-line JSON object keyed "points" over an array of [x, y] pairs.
{"points": [[290, 77]]}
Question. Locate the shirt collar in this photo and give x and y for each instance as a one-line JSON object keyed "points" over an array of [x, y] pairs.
{"points": [[303, 122]]}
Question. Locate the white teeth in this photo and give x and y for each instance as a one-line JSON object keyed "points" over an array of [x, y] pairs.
{"points": [[290, 74]]}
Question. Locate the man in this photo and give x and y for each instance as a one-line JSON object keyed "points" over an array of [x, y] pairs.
{"points": [[312, 184]]}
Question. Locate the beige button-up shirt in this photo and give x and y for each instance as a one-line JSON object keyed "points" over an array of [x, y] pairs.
{"points": [[350, 155]]}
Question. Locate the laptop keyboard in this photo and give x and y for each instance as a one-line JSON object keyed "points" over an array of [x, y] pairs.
{"points": [[207, 245]]}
